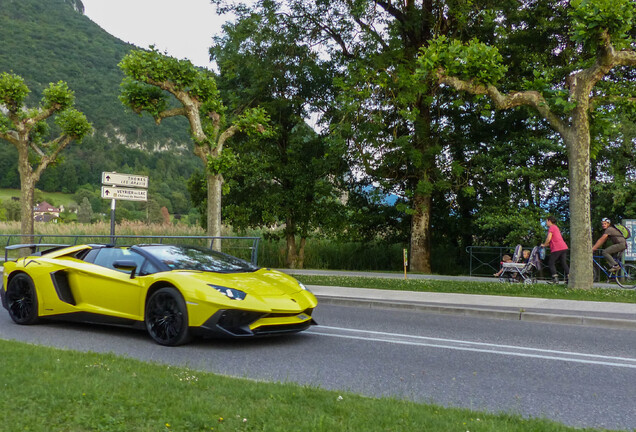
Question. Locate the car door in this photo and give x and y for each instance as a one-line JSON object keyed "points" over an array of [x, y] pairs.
{"points": [[103, 289]]}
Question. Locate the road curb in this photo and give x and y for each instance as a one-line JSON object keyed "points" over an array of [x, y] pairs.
{"points": [[514, 315]]}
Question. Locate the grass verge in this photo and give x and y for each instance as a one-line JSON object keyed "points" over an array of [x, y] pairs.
{"points": [[47, 389], [468, 287]]}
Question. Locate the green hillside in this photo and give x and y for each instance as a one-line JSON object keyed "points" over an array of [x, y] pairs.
{"points": [[51, 40]]}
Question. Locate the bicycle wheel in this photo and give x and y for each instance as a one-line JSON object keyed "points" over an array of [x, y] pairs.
{"points": [[597, 273], [626, 277]]}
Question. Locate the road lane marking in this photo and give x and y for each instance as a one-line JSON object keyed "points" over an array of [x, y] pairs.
{"points": [[462, 345]]}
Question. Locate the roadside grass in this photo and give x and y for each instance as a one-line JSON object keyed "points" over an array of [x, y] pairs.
{"points": [[48, 389], [469, 287]]}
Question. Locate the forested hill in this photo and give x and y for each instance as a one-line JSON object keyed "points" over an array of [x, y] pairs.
{"points": [[51, 40]]}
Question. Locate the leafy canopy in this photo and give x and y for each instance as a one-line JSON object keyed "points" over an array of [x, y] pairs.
{"points": [[590, 18], [149, 73], [473, 60]]}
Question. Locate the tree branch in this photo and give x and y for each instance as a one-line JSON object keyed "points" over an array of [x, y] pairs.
{"points": [[63, 141], [228, 133], [174, 112], [506, 101]]}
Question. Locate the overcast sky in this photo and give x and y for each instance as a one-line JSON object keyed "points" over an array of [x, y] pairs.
{"points": [[183, 28]]}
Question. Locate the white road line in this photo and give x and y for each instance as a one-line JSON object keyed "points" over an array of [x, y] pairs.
{"points": [[462, 345]]}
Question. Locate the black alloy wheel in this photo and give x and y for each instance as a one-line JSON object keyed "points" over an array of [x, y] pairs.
{"points": [[167, 317], [22, 300]]}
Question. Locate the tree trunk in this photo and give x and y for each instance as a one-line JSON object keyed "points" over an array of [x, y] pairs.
{"points": [[292, 255], [27, 188], [215, 186], [27, 191], [578, 146], [420, 260], [301, 253]]}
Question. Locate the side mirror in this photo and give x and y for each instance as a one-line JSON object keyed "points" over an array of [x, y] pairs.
{"points": [[126, 265]]}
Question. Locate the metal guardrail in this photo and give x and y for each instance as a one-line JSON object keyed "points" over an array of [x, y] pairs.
{"points": [[11, 239], [486, 260]]}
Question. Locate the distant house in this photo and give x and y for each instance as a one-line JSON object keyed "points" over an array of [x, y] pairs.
{"points": [[45, 212]]}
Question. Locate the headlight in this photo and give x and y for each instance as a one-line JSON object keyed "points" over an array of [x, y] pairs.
{"points": [[232, 293], [302, 286]]}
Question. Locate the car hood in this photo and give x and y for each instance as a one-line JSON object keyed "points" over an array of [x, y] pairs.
{"points": [[263, 282]]}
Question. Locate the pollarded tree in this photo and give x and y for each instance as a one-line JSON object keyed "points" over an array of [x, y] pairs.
{"points": [[155, 83], [601, 31], [28, 130]]}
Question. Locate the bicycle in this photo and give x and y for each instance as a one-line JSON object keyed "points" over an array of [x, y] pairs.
{"points": [[625, 276]]}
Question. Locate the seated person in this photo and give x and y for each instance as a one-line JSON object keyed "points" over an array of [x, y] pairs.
{"points": [[526, 256], [505, 259]]}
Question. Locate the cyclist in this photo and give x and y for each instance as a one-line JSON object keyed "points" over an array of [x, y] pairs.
{"points": [[619, 243]]}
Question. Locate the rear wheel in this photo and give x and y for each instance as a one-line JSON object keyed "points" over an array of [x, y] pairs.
{"points": [[597, 273], [22, 300], [167, 317], [626, 277]]}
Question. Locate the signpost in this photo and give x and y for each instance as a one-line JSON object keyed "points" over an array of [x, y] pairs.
{"points": [[134, 190], [630, 253]]}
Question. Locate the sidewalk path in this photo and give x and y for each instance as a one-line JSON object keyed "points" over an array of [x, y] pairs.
{"points": [[603, 314]]}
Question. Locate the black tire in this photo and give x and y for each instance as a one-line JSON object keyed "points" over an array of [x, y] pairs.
{"points": [[627, 278], [167, 317], [22, 300]]}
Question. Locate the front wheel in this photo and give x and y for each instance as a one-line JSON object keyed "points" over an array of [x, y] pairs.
{"points": [[626, 277], [167, 317], [22, 300]]}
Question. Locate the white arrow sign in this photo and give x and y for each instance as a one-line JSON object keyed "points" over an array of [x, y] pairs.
{"points": [[126, 194], [129, 180]]}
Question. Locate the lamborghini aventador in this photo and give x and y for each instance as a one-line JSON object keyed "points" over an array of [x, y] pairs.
{"points": [[175, 292]]}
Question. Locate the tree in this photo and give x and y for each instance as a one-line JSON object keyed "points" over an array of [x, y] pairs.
{"points": [[287, 179], [152, 77], [85, 212], [29, 132], [600, 29]]}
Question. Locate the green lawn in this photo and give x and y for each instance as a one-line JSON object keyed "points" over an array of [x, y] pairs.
{"points": [[46, 389], [540, 290], [55, 198]]}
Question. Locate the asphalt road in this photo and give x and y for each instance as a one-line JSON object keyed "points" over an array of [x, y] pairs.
{"points": [[581, 376]]}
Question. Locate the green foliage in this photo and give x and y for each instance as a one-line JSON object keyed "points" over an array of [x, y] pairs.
{"points": [[590, 18], [73, 123], [469, 61], [223, 163], [143, 97], [161, 71], [13, 91], [58, 96]]}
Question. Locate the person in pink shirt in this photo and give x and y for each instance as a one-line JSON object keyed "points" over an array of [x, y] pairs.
{"points": [[558, 249]]}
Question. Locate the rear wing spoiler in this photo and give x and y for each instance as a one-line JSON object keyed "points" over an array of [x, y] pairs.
{"points": [[33, 247]]}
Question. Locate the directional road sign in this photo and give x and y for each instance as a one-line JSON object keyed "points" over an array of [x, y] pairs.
{"points": [[129, 180], [126, 194]]}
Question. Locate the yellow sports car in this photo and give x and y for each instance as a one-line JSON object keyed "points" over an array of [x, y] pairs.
{"points": [[175, 292]]}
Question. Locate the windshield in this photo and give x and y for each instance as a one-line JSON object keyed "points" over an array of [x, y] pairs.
{"points": [[195, 258]]}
